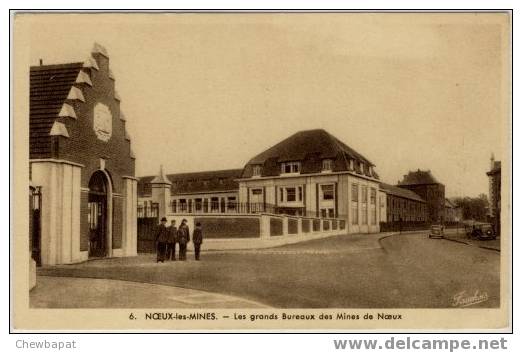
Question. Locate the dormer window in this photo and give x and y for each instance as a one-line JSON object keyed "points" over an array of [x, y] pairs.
{"points": [[256, 171], [327, 165], [290, 167], [351, 164]]}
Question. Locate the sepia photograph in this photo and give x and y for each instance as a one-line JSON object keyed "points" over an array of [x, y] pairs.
{"points": [[262, 170]]}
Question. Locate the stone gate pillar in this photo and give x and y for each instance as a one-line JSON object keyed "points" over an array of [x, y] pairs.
{"points": [[161, 192]]}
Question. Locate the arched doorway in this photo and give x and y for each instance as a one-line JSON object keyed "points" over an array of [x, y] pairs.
{"points": [[99, 215]]}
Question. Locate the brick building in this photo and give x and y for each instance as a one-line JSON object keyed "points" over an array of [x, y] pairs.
{"points": [[424, 184], [494, 175], [81, 160], [403, 205]]}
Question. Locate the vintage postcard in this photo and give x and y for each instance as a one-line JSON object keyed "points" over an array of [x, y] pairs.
{"points": [[261, 171]]}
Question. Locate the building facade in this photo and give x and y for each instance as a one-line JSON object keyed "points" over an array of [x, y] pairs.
{"points": [[312, 173], [309, 174], [403, 205], [200, 192], [424, 184], [495, 175], [81, 161]]}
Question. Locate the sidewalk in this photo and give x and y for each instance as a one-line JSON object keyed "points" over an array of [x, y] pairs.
{"points": [[493, 244], [69, 292]]}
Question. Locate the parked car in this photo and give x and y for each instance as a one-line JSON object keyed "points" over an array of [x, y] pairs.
{"points": [[480, 231], [436, 231]]}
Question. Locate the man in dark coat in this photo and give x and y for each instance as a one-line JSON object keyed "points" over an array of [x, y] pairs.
{"points": [[183, 239], [162, 235], [197, 239], [171, 241]]}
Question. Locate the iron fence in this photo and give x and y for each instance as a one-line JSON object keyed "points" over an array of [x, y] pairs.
{"points": [[220, 207], [148, 210]]}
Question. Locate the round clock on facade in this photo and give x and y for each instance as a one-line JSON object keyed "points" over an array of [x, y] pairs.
{"points": [[102, 122]]}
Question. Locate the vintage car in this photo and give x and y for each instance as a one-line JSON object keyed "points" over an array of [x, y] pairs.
{"points": [[436, 231], [481, 231]]}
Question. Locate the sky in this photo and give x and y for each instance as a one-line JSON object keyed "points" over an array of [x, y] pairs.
{"points": [[210, 91]]}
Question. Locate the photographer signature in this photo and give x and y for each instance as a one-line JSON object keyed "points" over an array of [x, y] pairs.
{"points": [[462, 299]]}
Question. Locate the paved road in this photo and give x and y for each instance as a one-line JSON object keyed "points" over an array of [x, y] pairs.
{"points": [[63, 292], [401, 271]]}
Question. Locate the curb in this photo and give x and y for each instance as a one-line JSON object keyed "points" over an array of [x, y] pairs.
{"points": [[471, 244]]}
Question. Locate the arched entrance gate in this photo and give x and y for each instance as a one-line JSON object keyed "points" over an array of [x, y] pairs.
{"points": [[99, 216]]}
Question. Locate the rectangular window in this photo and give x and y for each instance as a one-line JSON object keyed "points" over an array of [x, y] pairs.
{"points": [[198, 206], [355, 192], [300, 194], [183, 205], [257, 191], [328, 192], [355, 204], [364, 200], [290, 167], [214, 204], [256, 170], [231, 203], [281, 194], [364, 213], [364, 194], [327, 165], [323, 213], [290, 194], [373, 206], [331, 213], [173, 205]]}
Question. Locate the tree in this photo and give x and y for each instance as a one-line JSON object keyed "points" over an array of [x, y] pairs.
{"points": [[473, 208]]}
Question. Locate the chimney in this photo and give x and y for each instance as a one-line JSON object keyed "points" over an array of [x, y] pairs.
{"points": [[41, 62], [492, 164]]}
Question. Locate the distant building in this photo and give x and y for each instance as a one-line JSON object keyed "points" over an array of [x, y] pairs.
{"points": [[452, 212], [403, 205], [494, 175], [424, 184]]}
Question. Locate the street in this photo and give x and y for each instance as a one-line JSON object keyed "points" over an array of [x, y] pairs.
{"points": [[350, 271]]}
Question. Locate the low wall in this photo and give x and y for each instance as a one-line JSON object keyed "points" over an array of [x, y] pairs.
{"points": [[226, 228], [249, 231]]}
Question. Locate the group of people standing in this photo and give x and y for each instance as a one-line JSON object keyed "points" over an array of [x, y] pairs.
{"points": [[167, 238]]}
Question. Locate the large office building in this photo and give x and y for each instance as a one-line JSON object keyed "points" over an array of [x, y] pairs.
{"points": [[314, 173], [311, 173], [81, 163]]}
